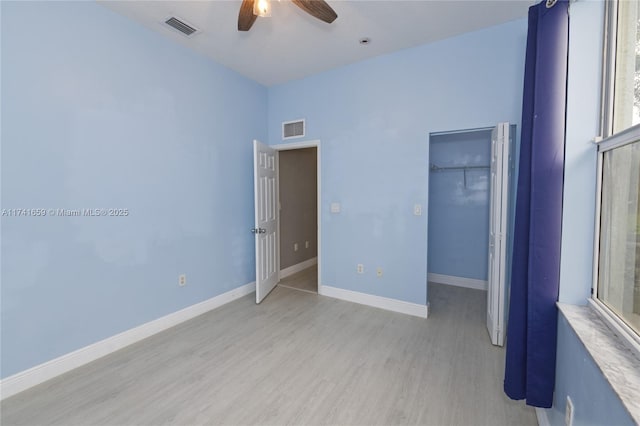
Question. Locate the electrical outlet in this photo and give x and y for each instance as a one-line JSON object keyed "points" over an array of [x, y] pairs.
{"points": [[417, 209], [295, 246], [379, 272], [360, 268], [568, 414], [182, 280], [306, 244]]}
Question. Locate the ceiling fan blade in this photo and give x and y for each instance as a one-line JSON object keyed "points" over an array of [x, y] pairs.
{"points": [[246, 18], [318, 9]]}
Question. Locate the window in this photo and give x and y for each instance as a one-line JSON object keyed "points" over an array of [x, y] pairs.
{"points": [[621, 94], [617, 264], [618, 281]]}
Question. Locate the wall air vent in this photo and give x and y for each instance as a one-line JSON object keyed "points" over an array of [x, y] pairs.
{"points": [[293, 129], [181, 26]]}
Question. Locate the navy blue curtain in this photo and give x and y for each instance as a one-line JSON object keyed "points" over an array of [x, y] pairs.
{"points": [[535, 274]]}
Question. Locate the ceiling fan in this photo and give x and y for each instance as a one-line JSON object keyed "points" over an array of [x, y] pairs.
{"points": [[251, 9]]}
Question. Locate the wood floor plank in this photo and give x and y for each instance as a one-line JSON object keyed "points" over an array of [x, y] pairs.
{"points": [[306, 280], [295, 359]]}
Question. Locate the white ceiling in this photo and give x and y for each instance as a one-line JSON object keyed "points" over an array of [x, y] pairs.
{"points": [[292, 44]]}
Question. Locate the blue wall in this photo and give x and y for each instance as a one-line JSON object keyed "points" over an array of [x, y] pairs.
{"points": [[373, 119], [583, 117], [594, 401], [98, 112], [459, 207]]}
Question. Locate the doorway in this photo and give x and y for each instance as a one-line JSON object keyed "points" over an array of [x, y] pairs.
{"points": [[298, 226], [469, 214], [301, 246], [459, 168]]}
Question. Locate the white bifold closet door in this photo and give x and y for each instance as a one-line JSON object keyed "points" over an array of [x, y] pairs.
{"points": [[498, 215]]}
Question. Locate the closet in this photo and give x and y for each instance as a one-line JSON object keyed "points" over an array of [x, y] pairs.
{"points": [[470, 212]]}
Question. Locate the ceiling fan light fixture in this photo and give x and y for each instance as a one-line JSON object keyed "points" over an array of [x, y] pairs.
{"points": [[251, 9], [262, 8]]}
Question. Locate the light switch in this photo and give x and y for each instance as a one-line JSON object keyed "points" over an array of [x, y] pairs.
{"points": [[335, 207], [417, 209]]}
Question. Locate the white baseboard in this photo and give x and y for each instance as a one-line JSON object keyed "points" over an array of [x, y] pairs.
{"points": [[541, 415], [284, 273], [50, 369], [394, 305], [457, 281]]}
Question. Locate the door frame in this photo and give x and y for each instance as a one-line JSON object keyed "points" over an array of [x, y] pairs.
{"points": [[302, 145]]}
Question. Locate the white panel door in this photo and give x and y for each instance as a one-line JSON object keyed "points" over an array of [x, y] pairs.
{"points": [[498, 213], [265, 187]]}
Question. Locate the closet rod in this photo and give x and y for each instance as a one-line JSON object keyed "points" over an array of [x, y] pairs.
{"points": [[438, 168], [464, 169]]}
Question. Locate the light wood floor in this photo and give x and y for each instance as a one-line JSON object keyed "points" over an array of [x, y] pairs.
{"points": [[306, 280], [297, 358]]}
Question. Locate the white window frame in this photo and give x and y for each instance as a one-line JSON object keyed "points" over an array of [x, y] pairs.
{"points": [[610, 142], [607, 101], [608, 67], [618, 140]]}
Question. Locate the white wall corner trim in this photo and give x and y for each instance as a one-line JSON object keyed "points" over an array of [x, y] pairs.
{"points": [[457, 281], [40, 373], [394, 305], [284, 273], [543, 419]]}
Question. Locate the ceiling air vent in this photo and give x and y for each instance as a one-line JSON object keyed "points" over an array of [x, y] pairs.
{"points": [[181, 26], [293, 129]]}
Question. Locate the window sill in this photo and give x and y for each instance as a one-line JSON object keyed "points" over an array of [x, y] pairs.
{"points": [[617, 362]]}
